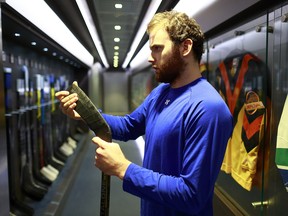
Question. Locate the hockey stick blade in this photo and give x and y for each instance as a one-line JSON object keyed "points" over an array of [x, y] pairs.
{"points": [[90, 114], [95, 121]]}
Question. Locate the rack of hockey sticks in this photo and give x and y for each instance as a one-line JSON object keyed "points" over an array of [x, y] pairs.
{"points": [[36, 135]]}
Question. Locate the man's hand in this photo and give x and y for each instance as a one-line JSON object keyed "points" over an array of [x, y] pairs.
{"points": [[68, 103], [109, 158]]}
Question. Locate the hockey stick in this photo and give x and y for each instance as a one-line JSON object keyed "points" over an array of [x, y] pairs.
{"points": [[99, 126], [17, 202], [29, 184]]}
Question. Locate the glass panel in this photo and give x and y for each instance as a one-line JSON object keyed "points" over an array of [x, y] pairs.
{"points": [[276, 192], [142, 84], [237, 68]]}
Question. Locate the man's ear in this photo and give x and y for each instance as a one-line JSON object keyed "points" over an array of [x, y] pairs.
{"points": [[187, 46]]}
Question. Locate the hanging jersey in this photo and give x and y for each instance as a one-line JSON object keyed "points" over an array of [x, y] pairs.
{"points": [[240, 82], [244, 146], [281, 158], [237, 75]]}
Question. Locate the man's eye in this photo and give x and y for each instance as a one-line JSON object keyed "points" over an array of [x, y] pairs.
{"points": [[156, 48]]}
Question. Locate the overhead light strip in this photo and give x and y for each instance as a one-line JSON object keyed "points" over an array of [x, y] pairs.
{"points": [[42, 16], [154, 5], [141, 59], [84, 9], [183, 6]]}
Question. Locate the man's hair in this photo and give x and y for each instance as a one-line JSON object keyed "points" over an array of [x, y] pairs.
{"points": [[179, 28]]}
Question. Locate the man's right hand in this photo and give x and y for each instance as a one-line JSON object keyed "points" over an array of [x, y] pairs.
{"points": [[68, 103]]}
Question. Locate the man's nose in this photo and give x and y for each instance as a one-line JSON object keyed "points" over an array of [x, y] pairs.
{"points": [[150, 58]]}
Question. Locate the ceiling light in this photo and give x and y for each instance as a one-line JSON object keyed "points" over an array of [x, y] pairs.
{"points": [[141, 59], [197, 6], [117, 27], [116, 47], [45, 49], [33, 43], [116, 53], [85, 11], [116, 39], [154, 5], [118, 6], [53, 27], [16, 34], [115, 63]]}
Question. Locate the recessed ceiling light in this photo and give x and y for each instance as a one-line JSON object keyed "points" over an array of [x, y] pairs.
{"points": [[117, 27], [17, 34], [116, 47], [118, 6], [45, 49], [116, 39], [85, 11], [33, 43], [154, 5], [115, 63], [116, 53]]}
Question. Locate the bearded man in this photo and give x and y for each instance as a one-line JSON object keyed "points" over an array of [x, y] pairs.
{"points": [[185, 121]]}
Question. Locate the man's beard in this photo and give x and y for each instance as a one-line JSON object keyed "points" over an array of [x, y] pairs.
{"points": [[170, 70]]}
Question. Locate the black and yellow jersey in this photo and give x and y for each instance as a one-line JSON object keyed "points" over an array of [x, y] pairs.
{"points": [[240, 81]]}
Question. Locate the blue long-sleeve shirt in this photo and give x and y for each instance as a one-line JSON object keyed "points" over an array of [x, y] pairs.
{"points": [[186, 131]]}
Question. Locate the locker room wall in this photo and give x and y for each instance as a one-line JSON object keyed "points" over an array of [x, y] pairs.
{"points": [[115, 93], [141, 84], [95, 85], [4, 184]]}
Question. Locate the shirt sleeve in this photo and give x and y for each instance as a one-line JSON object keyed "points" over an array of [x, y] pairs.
{"points": [[206, 136], [127, 127], [130, 126]]}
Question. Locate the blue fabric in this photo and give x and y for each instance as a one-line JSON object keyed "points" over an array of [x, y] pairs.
{"points": [[186, 131]]}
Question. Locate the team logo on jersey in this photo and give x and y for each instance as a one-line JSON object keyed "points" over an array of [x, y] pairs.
{"points": [[252, 121], [252, 103]]}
